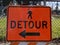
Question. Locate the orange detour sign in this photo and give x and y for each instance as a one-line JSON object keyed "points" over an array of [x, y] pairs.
{"points": [[28, 23]]}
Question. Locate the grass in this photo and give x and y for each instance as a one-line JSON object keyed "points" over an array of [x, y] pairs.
{"points": [[2, 27], [55, 27]]}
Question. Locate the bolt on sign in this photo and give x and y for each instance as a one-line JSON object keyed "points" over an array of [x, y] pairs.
{"points": [[29, 23]]}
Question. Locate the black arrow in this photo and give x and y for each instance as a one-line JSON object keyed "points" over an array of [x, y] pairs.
{"points": [[24, 34]]}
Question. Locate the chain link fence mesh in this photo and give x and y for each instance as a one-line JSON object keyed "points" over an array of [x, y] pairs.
{"points": [[55, 28], [2, 27]]}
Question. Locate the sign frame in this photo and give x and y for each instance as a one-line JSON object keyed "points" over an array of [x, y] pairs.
{"points": [[29, 40]]}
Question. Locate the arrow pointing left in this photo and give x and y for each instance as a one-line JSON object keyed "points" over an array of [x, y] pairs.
{"points": [[24, 34]]}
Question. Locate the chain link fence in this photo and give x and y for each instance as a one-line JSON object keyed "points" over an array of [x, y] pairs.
{"points": [[55, 28]]}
